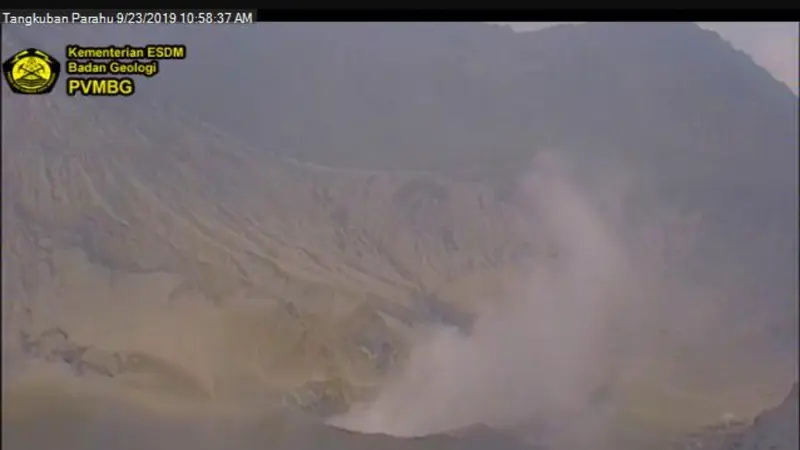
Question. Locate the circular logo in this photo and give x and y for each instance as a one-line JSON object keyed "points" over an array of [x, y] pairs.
{"points": [[31, 72]]}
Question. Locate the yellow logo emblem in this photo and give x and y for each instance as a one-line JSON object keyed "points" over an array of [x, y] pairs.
{"points": [[31, 72]]}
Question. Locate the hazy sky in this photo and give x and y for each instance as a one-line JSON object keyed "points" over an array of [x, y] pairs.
{"points": [[773, 45]]}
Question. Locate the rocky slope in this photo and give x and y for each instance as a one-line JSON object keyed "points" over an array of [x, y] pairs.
{"points": [[712, 143], [775, 428]]}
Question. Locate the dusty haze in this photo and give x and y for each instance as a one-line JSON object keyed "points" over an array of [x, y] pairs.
{"points": [[584, 236]]}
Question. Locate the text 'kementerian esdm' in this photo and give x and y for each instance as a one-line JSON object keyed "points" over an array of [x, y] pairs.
{"points": [[111, 71]]}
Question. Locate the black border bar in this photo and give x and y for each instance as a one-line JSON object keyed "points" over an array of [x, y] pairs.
{"points": [[277, 12]]}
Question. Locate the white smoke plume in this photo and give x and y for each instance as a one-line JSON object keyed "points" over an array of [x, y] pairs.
{"points": [[580, 324]]}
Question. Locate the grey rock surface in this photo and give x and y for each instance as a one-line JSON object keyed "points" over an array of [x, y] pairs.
{"points": [[775, 429]]}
